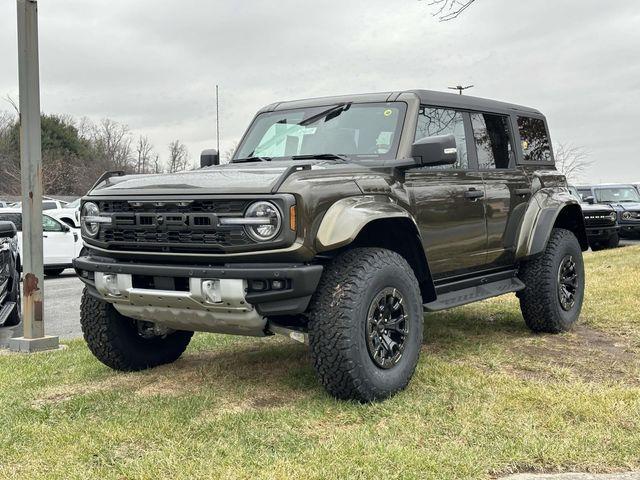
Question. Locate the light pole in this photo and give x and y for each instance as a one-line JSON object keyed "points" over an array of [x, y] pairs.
{"points": [[33, 338]]}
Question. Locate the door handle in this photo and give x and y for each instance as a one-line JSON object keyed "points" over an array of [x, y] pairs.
{"points": [[522, 191], [44, 236], [473, 194]]}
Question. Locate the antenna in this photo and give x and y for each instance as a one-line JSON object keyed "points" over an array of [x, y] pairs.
{"points": [[460, 88], [217, 121]]}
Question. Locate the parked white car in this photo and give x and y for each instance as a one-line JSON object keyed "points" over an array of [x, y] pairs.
{"points": [[61, 243], [69, 214], [49, 203]]}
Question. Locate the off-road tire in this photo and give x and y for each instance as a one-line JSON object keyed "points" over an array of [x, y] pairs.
{"points": [[16, 316], [53, 272], [338, 318], [539, 301], [614, 241], [596, 246], [114, 339]]}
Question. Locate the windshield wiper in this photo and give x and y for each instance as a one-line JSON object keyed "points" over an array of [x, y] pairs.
{"points": [[336, 109], [321, 156], [252, 159]]}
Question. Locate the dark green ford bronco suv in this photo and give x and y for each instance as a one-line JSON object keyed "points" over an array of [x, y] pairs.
{"points": [[338, 223]]}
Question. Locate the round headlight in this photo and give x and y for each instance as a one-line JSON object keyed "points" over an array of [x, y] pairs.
{"points": [[613, 217], [89, 210], [267, 218], [626, 215]]}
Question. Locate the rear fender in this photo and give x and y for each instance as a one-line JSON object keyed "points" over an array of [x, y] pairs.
{"points": [[549, 208]]}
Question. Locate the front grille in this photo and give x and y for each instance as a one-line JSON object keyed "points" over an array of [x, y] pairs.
{"points": [[172, 226], [598, 220], [220, 207]]}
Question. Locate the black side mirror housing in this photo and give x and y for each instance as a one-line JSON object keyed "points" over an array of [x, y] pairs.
{"points": [[590, 200], [209, 157], [438, 150], [7, 229]]}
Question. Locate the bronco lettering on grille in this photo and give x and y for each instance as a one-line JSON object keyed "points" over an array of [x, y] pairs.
{"points": [[166, 221]]}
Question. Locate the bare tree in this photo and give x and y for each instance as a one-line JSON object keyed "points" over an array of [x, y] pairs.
{"points": [[112, 142], [178, 157], [156, 165], [571, 161], [144, 151], [446, 10], [227, 155], [13, 104]]}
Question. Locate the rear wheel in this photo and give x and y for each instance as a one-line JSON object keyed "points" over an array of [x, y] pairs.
{"points": [[552, 299], [126, 344], [365, 325]]}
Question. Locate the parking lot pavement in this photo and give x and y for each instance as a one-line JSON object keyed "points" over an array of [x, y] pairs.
{"points": [[624, 242], [61, 306]]}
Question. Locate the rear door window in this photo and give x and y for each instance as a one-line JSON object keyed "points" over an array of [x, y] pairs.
{"points": [[493, 141], [536, 146]]}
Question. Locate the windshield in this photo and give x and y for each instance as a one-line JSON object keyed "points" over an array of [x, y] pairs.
{"points": [[574, 191], [617, 195], [368, 130]]}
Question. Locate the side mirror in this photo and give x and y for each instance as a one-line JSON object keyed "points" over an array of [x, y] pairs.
{"points": [[590, 200], [7, 229], [439, 150], [209, 157]]}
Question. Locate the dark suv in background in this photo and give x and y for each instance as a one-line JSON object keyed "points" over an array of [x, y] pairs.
{"points": [[9, 276], [338, 223], [624, 198], [601, 222]]}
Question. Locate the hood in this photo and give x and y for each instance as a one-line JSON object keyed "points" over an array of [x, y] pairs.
{"points": [[235, 178], [587, 207], [630, 206], [232, 178]]}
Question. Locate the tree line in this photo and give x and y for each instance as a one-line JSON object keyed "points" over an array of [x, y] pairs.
{"points": [[76, 152]]}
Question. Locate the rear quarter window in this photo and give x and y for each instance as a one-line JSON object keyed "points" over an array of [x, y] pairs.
{"points": [[536, 147]]}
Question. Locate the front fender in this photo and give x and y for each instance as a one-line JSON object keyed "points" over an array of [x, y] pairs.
{"points": [[345, 219], [542, 214]]}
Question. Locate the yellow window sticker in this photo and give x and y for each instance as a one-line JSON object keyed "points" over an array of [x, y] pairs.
{"points": [[388, 112]]}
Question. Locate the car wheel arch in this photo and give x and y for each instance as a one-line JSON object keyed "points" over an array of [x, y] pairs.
{"points": [[373, 221]]}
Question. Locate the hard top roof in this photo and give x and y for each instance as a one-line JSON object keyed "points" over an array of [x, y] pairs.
{"points": [[427, 97], [608, 185]]}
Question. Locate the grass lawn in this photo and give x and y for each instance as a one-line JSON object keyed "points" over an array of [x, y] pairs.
{"points": [[488, 398]]}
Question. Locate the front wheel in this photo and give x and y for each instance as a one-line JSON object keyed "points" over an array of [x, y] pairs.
{"points": [[126, 344], [554, 285], [365, 325], [614, 241]]}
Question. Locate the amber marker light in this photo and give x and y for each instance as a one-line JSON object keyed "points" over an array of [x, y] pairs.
{"points": [[292, 217]]}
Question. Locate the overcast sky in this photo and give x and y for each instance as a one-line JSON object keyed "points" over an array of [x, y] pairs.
{"points": [[153, 65]]}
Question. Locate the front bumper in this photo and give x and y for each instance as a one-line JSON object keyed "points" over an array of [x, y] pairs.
{"points": [[630, 228], [601, 233], [173, 294]]}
